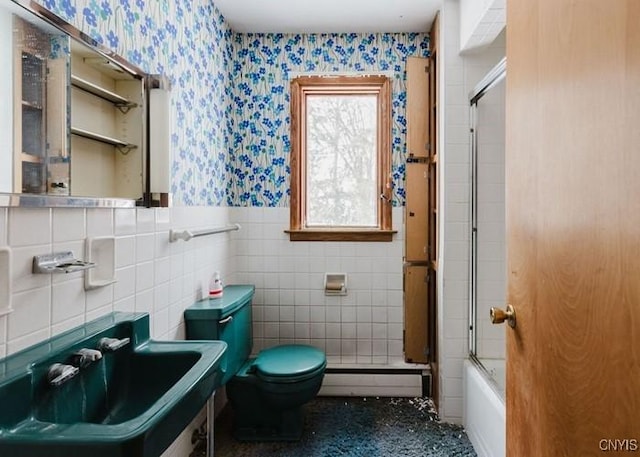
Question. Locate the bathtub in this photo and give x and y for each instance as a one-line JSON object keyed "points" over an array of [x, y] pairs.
{"points": [[484, 411]]}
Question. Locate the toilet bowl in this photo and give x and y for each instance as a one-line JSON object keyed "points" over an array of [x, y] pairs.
{"points": [[266, 392]]}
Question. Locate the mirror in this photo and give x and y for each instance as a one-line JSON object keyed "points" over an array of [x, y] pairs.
{"points": [[75, 125]]}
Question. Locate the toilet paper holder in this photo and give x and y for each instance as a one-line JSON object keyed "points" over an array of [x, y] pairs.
{"points": [[335, 284]]}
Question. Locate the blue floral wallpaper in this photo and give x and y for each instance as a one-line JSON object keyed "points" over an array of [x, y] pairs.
{"points": [[263, 66], [230, 91]]}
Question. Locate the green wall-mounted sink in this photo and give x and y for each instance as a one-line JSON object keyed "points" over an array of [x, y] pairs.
{"points": [[133, 402]]}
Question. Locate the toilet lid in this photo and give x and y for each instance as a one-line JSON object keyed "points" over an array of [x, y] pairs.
{"points": [[289, 362]]}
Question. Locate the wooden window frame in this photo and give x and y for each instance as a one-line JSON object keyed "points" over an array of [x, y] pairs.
{"points": [[340, 85]]}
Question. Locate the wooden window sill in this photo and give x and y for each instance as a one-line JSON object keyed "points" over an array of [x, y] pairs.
{"points": [[341, 235]]}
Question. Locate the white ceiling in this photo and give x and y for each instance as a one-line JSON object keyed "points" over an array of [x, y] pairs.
{"points": [[307, 16]]}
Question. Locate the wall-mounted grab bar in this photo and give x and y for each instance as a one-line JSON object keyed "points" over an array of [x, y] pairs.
{"points": [[175, 235]]}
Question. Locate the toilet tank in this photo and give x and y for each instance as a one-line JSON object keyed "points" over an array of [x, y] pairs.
{"points": [[227, 318]]}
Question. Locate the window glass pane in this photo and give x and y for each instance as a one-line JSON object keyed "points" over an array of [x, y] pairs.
{"points": [[341, 160]]}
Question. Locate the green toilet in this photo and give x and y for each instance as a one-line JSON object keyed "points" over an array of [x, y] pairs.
{"points": [[266, 392]]}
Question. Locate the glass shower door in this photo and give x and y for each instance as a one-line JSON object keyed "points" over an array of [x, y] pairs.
{"points": [[488, 231]]}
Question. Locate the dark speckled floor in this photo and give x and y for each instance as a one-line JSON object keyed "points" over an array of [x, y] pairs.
{"points": [[354, 427]]}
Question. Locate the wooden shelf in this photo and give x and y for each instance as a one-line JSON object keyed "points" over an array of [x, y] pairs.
{"points": [[120, 144], [101, 92]]}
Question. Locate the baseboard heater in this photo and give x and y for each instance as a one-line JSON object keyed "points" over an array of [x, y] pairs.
{"points": [[376, 382]]}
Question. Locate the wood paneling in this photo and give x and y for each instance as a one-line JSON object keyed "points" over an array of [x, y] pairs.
{"points": [[416, 314], [573, 215], [417, 107], [416, 212], [416, 238]]}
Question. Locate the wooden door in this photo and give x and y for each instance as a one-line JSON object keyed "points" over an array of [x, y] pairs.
{"points": [[416, 314], [573, 227], [417, 107], [416, 213], [416, 274]]}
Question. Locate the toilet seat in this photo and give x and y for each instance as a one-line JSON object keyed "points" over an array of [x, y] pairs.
{"points": [[267, 392], [289, 363]]}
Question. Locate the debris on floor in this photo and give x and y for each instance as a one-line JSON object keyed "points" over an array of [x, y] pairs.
{"points": [[354, 427]]}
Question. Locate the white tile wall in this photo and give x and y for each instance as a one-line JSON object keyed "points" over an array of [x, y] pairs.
{"points": [[460, 73], [99, 222], [153, 275], [3, 226], [68, 224], [28, 227], [125, 221], [290, 305]]}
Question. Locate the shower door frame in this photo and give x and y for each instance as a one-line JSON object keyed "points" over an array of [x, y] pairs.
{"points": [[492, 78]]}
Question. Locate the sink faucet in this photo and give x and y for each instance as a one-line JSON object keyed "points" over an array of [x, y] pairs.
{"points": [[58, 373], [112, 344], [85, 357]]}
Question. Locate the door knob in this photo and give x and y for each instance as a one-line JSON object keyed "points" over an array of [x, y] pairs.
{"points": [[498, 316]]}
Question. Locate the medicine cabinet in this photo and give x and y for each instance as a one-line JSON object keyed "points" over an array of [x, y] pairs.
{"points": [[77, 131]]}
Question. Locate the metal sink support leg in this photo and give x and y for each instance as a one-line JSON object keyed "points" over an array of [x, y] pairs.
{"points": [[210, 427]]}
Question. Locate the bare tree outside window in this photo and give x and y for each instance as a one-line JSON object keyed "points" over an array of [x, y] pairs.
{"points": [[341, 160]]}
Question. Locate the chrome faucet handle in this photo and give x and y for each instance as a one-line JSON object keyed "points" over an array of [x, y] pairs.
{"points": [[85, 357], [112, 344], [59, 373]]}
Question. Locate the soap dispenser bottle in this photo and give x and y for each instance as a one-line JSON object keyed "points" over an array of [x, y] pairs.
{"points": [[215, 286]]}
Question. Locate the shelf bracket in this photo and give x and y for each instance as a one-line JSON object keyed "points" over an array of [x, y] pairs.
{"points": [[124, 150], [124, 108]]}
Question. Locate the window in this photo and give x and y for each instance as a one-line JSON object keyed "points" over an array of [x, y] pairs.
{"points": [[341, 158]]}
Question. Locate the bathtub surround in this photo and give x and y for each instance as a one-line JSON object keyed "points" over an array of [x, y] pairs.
{"points": [[484, 413], [490, 281], [460, 74]]}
